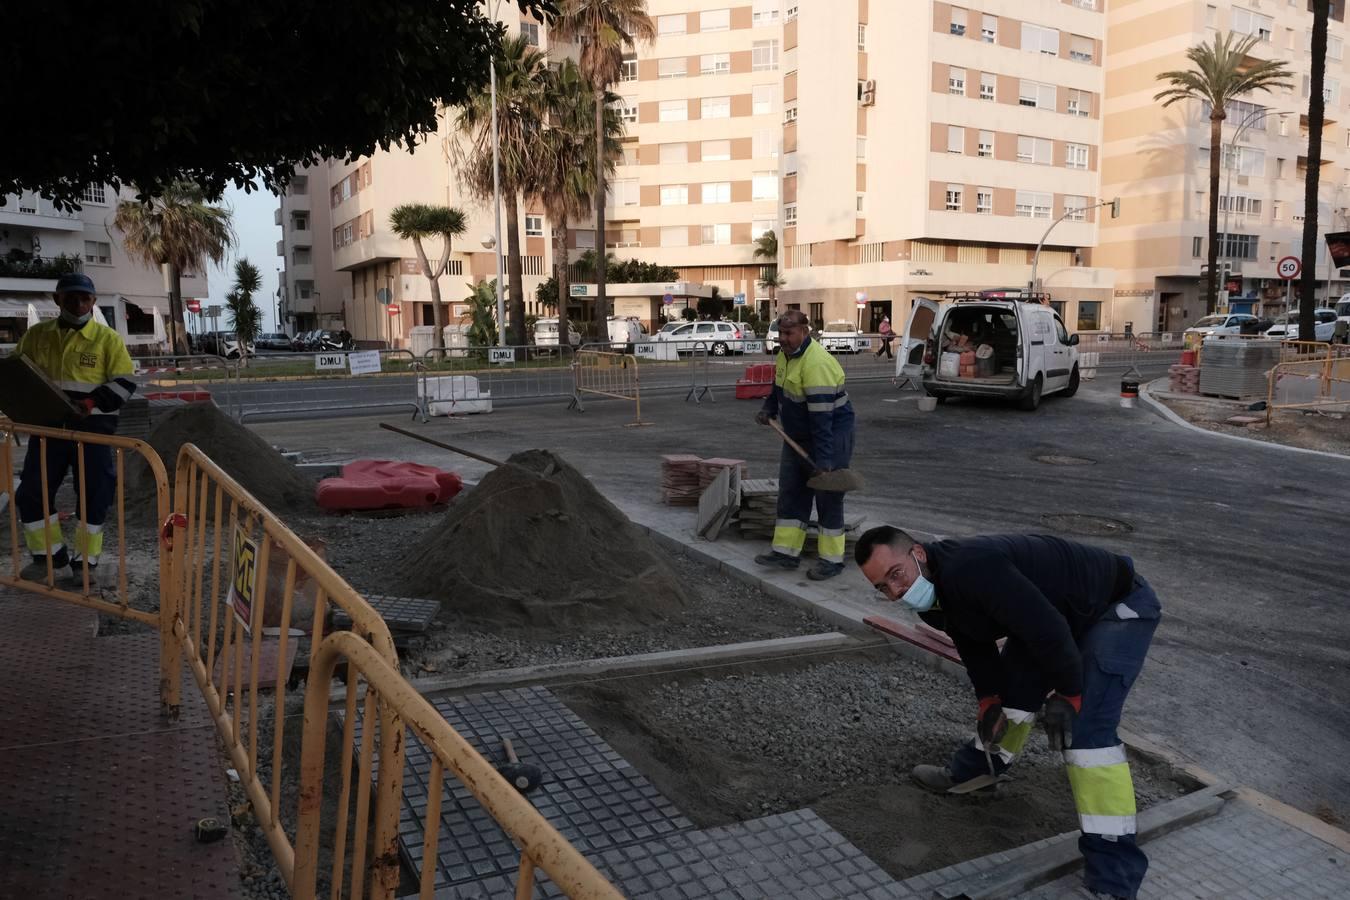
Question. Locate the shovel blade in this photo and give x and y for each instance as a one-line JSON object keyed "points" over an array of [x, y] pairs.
{"points": [[839, 481], [975, 784]]}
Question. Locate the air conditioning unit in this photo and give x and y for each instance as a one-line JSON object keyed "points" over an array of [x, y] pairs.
{"points": [[869, 93]]}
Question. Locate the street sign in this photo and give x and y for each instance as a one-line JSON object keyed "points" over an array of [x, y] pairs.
{"points": [[577, 290], [501, 355], [740, 300], [330, 361], [393, 309], [194, 306], [213, 312], [862, 304], [668, 299], [384, 295], [1289, 268]]}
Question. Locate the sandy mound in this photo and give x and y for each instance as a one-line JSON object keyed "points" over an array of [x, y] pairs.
{"points": [[244, 456], [536, 545]]}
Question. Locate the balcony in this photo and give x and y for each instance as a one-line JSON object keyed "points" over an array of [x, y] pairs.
{"points": [[17, 264], [276, 216], [28, 211], [300, 237]]}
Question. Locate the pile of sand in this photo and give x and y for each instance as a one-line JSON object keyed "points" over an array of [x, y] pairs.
{"points": [[244, 456], [536, 545]]}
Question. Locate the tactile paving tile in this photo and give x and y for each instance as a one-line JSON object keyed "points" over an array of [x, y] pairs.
{"points": [[400, 613], [790, 856], [589, 793]]}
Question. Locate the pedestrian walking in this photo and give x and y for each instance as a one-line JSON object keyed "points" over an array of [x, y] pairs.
{"points": [[89, 361], [809, 399], [887, 335], [1078, 622]]}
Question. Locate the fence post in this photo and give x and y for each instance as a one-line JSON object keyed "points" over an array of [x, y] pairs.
{"points": [[697, 392], [173, 537]]}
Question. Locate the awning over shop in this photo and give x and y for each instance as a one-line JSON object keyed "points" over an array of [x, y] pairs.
{"points": [[12, 307]]}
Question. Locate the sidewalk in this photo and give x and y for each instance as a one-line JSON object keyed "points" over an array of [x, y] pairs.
{"points": [[98, 794]]}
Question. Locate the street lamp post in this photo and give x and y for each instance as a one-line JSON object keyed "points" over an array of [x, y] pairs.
{"points": [[1114, 203], [497, 195], [1256, 115]]}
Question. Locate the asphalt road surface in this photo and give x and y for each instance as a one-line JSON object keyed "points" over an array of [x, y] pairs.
{"points": [[1245, 544]]}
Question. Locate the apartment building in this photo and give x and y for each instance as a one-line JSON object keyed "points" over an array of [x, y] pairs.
{"points": [[1158, 160], [699, 180], [928, 147], [312, 293], [39, 242]]}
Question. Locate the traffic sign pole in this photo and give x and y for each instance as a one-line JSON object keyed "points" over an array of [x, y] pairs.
{"points": [[1289, 268]]}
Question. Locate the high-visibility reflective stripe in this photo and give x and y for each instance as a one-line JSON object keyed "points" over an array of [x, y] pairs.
{"points": [[820, 407], [89, 542], [120, 389], [796, 396], [1101, 756], [43, 539], [1015, 738], [789, 539], [831, 547], [842, 400], [1113, 825]]}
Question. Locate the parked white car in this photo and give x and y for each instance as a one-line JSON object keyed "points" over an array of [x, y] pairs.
{"points": [[1033, 354], [1286, 327], [1219, 324], [718, 338], [843, 337]]}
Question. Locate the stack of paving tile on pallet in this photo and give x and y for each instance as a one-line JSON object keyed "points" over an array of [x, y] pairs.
{"points": [[680, 479], [759, 508], [1183, 379]]}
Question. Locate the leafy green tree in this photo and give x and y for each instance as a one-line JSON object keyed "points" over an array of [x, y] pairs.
{"points": [[482, 315], [415, 221], [178, 229], [522, 73], [206, 60], [766, 248], [604, 30], [245, 317], [1220, 72]]}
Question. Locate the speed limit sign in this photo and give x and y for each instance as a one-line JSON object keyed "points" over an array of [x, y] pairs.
{"points": [[1289, 268]]}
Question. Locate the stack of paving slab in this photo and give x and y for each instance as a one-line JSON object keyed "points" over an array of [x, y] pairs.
{"points": [[679, 479], [759, 513], [709, 468], [1183, 379], [720, 500]]}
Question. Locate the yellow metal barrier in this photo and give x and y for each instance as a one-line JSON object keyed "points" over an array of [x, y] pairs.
{"points": [[1329, 376], [86, 589], [391, 699], [606, 375], [1300, 351]]}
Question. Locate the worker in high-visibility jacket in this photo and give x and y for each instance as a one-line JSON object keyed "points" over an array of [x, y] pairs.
{"points": [[1078, 622], [89, 361], [809, 399]]}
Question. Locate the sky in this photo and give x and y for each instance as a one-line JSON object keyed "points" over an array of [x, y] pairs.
{"points": [[258, 236]]}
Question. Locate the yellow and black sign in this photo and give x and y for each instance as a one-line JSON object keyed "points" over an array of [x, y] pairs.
{"points": [[243, 578]]}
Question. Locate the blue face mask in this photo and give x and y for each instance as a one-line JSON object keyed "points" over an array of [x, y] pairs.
{"points": [[921, 595], [76, 321]]}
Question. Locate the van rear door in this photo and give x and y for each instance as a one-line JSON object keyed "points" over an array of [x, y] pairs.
{"points": [[913, 340]]}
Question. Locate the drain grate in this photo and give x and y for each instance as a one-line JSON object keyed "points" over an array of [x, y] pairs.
{"points": [[1077, 523], [1059, 459]]}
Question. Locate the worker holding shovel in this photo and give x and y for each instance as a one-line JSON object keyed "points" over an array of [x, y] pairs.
{"points": [[817, 429], [1078, 623]]}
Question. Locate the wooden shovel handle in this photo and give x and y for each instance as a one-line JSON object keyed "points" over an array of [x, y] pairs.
{"points": [[773, 423]]}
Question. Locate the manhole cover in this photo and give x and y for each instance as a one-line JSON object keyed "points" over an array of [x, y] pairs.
{"points": [[1076, 523], [1059, 459]]}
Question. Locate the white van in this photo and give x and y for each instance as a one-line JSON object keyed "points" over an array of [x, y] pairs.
{"points": [[625, 332], [546, 333], [1030, 354], [1343, 309]]}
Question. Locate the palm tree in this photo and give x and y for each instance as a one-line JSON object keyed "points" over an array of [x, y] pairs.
{"points": [[1307, 287], [563, 178], [766, 248], [604, 30], [521, 110], [415, 221], [245, 317], [178, 229], [1220, 72]]}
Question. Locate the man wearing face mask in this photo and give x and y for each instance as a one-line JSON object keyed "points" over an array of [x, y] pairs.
{"points": [[90, 363], [1078, 622]]}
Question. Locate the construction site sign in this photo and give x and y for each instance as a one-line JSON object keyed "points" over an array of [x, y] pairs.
{"points": [[243, 578], [365, 362]]}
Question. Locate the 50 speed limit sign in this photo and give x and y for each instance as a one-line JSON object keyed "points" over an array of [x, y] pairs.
{"points": [[1289, 268]]}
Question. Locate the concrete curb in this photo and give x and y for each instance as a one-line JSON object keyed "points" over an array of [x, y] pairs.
{"points": [[1161, 409], [661, 659]]}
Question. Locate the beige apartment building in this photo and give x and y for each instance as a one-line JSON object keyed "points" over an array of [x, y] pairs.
{"points": [[312, 293], [927, 147], [1158, 160]]}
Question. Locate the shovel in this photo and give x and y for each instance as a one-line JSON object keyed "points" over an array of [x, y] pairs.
{"points": [[980, 781], [839, 480]]}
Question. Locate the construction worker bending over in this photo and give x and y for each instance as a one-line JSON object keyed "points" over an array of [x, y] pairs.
{"points": [[1078, 623], [809, 398], [90, 363]]}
